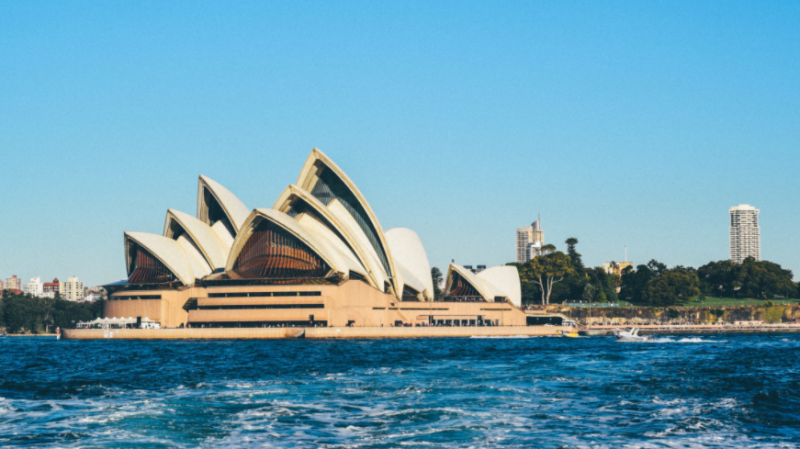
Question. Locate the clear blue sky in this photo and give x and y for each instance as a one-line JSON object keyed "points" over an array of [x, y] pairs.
{"points": [[635, 123]]}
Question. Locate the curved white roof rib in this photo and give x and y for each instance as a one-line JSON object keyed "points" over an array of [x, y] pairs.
{"points": [[167, 251], [309, 176], [234, 208], [200, 267], [504, 279], [288, 202], [409, 255], [324, 249], [214, 251]]}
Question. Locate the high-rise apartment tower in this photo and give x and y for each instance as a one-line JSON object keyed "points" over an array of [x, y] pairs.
{"points": [[529, 241], [745, 233], [72, 290]]}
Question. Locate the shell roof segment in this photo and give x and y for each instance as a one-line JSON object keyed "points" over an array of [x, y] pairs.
{"points": [[326, 181], [234, 208], [411, 260], [337, 261], [209, 243], [167, 251]]}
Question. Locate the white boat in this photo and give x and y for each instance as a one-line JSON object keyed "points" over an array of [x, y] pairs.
{"points": [[630, 334]]}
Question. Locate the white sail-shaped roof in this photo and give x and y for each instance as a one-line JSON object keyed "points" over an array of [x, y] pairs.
{"points": [[363, 220], [166, 250], [324, 249], [411, 260], [233, 207], [214, 250], [504, 280]]}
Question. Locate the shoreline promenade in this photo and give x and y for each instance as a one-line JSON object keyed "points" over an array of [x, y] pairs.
{"points": [[311, 333]]}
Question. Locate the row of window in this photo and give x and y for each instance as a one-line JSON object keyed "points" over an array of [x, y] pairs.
{"points": [[120, 298], [261, 294], [264, 306]]}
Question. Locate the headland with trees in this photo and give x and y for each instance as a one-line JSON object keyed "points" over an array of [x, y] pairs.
{"points": [[556, 277], [20, 313]]}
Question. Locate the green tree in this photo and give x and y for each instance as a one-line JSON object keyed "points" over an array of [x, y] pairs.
{"points": [[671, 287], [589, 292], [750, 279], [634, 282], [577, 261], [547, 270], [436, 276]]}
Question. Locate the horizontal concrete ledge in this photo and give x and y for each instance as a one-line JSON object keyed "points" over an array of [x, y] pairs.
{"points": [[311, 332]]}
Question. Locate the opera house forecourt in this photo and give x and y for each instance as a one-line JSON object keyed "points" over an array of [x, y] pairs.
{"points": [[316, 264]]}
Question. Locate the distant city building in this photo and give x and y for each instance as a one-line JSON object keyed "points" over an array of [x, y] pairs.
{"points": [[13, 283], [72, 290], [34, 287], [93, 295], [533, 250], [476, 269], [744, 233], [51, 287], [616, 267], [530, 240]]}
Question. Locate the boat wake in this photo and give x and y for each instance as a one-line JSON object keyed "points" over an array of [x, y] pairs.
{"points": [[684, 340]]}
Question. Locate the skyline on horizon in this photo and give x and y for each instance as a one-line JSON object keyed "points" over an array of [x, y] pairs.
{"points": [[624, 124]]}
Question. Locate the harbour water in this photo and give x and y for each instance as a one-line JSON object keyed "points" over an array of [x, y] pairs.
{"points": [[711, 391]]}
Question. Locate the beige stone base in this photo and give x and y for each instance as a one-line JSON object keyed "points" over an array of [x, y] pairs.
{"points": [[319, 332]]}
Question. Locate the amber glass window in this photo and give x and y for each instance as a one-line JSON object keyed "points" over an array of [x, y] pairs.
{"points": [[461, 287], [146, 269], [273, 253]]}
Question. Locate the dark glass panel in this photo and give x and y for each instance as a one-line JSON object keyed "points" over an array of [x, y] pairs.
{"points": [[146, 269], [214, 212], [330, 187]]}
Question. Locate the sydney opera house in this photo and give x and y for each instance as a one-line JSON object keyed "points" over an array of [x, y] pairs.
{"points": [[318, 257]]}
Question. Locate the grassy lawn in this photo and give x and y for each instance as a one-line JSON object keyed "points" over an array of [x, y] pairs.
{"points": [[701, 302]]}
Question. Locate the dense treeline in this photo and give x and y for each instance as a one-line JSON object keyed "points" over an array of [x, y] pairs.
{"points": [[555, 277], [24, 313]]}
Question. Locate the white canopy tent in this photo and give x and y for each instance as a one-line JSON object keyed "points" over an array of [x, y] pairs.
{"points": [[117, 323]]}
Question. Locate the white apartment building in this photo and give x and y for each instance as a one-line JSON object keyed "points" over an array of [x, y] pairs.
{"points": [[72, 290], [744, 233], [530, 240], [34, 287]]}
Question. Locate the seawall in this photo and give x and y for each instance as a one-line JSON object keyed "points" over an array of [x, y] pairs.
{"points": [[689, 329], [311, 332]]}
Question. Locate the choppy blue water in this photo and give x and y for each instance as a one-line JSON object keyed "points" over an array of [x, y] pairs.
{"points": [[719, 391]]}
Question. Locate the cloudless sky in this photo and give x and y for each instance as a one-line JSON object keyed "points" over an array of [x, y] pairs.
{"points": [[623, 123]]}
